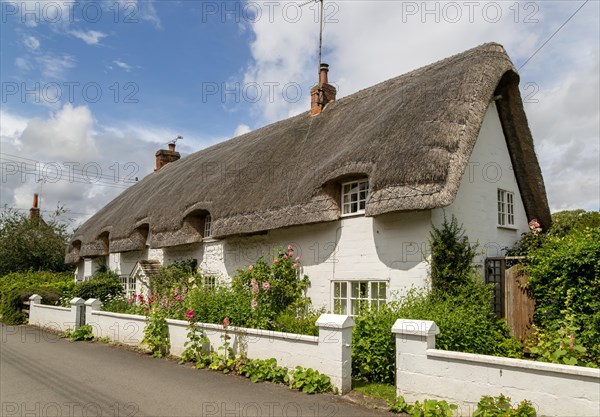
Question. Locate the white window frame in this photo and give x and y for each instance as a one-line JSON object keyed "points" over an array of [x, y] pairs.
{"points": [[506, 208], [129, 283], [207, 226], [346, 203], [346, 296]]}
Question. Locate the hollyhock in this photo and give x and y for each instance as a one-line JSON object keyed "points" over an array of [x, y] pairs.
{"points": [[254, 304], [266, 286], [190, 315], [226, 322]]}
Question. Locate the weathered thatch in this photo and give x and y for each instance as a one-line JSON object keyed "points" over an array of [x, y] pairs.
{"points": [[411, 135]]}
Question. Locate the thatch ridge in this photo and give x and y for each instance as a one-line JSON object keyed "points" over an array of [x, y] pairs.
{"points": [[412, 136]]}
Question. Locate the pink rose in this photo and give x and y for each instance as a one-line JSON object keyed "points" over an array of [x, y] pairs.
{"points": [[275, 260], [295, 266], [285, 257], [226, 322], [290, 247], [291, 254], [297, 258], [250, 267]]}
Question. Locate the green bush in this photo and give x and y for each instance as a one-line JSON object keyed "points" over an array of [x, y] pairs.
{"points": [[175, 275], [16, 288], [310, 381], [465, 321], [564, 279], [212, 305], [275, 287], [103, 286], [451, 257], [429, 408]]}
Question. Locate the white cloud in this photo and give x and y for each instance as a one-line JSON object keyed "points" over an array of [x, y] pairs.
{"points": [[55, 66], [31, 42], [397, 37], [123, 65], [91, 37], [241, 130], [23, 63]]}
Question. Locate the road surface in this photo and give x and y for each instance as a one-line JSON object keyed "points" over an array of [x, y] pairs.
{"points": [[43, 375]]}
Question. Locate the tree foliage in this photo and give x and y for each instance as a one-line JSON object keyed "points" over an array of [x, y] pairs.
{"points": [[32, 244], [451, 257]]}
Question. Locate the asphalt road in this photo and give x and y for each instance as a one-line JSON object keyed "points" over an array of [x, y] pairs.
{"points": [[43, 375]]}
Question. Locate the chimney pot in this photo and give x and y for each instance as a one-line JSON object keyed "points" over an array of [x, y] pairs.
{"points": [[34, 211], [164, 156], [322, 93], [323, 75]]}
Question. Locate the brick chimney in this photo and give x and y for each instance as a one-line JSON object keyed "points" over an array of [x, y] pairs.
{"points": [[322, 93], [34, 211], [163, 157]]}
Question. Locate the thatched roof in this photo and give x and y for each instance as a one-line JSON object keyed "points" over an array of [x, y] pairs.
{"points": [[411, 135]]}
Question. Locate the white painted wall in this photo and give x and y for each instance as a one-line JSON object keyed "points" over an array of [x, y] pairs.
{"points": [[475, 205], [462, 378]]}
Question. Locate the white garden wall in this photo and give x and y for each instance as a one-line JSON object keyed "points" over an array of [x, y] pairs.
{"points": [[55, 318], [462, 378], [330, 353]]}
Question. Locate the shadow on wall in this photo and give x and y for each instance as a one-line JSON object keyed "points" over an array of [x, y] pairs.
{"points": [[401, 239]]}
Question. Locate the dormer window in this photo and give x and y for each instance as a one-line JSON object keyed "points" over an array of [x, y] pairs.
{"points": [[207, 226], [354, 197]]}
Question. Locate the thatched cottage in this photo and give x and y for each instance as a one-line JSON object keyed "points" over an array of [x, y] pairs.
{"points": [[353, 184]]}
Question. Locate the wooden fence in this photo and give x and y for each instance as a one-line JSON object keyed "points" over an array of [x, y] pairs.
{"points": [[518, 307]]}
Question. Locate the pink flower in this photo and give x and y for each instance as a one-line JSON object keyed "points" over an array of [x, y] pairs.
{"points": [[297, 258], [290, 247], [254, 304], [254, 287], [285, 257], [226, 322], [176, 291], [266, 286], [275, 260], [190, 315], [250, 267], [295, 266]]}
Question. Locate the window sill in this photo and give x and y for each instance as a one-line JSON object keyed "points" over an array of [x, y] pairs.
{"points": [[209, 240], [357, 214], [514, 228]]}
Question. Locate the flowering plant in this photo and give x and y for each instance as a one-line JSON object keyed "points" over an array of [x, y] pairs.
{"points": [[274, 286]]}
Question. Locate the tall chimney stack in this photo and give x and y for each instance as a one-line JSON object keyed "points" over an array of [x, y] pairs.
{"points": [[34, 211], [163, 157], [322, 93]]}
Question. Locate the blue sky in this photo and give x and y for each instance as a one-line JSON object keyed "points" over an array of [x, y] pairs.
{"points": [[161, 67]]}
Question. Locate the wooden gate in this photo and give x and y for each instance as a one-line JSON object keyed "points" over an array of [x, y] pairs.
{"points": [[510, 300], [519, 307]]}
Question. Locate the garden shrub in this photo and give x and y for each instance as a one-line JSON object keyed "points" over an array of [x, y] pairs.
{"points": [[465, 321], [451, 257], [103, 286], [16, 288], [175, 275], [501, 407], [564, 279], [275, 287]]}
